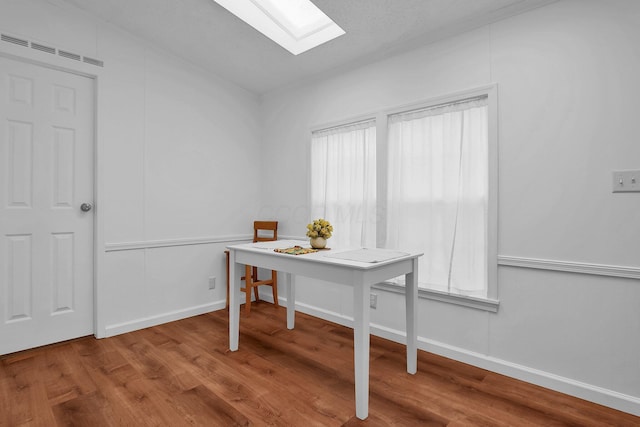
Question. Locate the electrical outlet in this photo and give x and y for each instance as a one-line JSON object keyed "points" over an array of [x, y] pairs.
{"points": [[212, 282], [373, 300], [626, 181]]}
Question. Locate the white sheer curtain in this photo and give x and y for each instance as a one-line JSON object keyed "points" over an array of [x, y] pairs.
{"points": [[438, 193], [343, 182]]}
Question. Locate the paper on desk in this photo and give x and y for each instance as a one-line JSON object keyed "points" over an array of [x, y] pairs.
{"points": [[370, 255], [276, 244]]}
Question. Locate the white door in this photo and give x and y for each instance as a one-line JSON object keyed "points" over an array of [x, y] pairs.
{"points": [[46, 174]]}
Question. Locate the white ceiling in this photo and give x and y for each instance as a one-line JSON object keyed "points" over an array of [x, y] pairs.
{"points": [[206, 34]]}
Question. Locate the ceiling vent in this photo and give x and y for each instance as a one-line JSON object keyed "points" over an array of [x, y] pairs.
{"points": [[51, 50]]}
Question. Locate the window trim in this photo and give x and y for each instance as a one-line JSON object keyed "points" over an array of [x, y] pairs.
{"points": [[485, 304]]}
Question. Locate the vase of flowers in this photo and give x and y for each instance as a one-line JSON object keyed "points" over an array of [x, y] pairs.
{"points": [[318, 232]]}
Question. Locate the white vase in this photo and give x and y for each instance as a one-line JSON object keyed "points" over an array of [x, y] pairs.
{"points": [[318, 242]]}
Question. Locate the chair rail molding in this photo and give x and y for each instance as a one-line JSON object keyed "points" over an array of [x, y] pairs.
{"points": [[165, 243], [570, 266]]}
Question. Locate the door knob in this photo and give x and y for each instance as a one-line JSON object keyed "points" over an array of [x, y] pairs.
{"points": [[86, 207]]}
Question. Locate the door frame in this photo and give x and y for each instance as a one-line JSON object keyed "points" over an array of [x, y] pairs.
{"points": [[47, 60]]}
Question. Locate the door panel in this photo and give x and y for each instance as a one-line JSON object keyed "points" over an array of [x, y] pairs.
{"points": [[46, 241]]}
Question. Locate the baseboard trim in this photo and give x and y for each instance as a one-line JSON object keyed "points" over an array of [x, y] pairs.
{"points": [[571, 266], [321, 313], [592, 393], [595, 394], [146, 322]]}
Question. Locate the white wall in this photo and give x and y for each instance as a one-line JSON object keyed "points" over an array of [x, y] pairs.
{"points": [[185, 136], [171, 139], [568, 90]]}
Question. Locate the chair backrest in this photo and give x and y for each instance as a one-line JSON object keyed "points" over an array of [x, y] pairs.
{"points": [[259, 229]]}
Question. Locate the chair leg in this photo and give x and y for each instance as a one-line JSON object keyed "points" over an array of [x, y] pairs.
{"points": [[255, 279], [274, 287]]}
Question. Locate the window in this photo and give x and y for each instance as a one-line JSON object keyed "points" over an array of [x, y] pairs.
{"points": [[343, 182], [438, 187]]}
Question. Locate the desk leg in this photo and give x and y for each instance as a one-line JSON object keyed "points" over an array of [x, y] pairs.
{"points": [[361, 317], [235, 272], [411, 299], [290, 282]]}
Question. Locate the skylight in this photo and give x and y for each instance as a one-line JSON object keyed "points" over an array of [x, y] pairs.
{"points": [[296, 25]]}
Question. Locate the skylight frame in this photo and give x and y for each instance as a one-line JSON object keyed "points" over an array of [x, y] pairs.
{"points": [[288, 24], [264, 16]]}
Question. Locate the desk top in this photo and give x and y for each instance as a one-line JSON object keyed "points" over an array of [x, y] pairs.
{"points": [[358, 258]]}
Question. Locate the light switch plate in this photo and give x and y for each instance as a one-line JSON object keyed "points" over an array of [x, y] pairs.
{"points": [[626, 181]]}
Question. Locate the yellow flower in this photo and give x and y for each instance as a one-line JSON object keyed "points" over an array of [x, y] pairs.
{"points": [[319, 228]]}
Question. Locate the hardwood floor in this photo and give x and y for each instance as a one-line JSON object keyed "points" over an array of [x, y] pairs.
{"points": [[182, 374]]}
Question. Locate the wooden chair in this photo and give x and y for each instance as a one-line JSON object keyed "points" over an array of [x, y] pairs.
{"points": [[263, 231]]}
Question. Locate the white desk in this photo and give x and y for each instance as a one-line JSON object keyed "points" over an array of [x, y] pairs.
{"points": [[360, 275]]}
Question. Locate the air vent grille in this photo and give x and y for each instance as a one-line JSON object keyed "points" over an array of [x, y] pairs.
{"points": [[43, 48], [92, 61], [69, 55], [52, 50], [14, 40]]}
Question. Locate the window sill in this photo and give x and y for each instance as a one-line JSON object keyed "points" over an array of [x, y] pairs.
{"points": [[484, 304]]}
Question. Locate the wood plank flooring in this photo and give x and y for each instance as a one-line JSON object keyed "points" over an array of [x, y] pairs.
{"points": [[182, 374]]}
